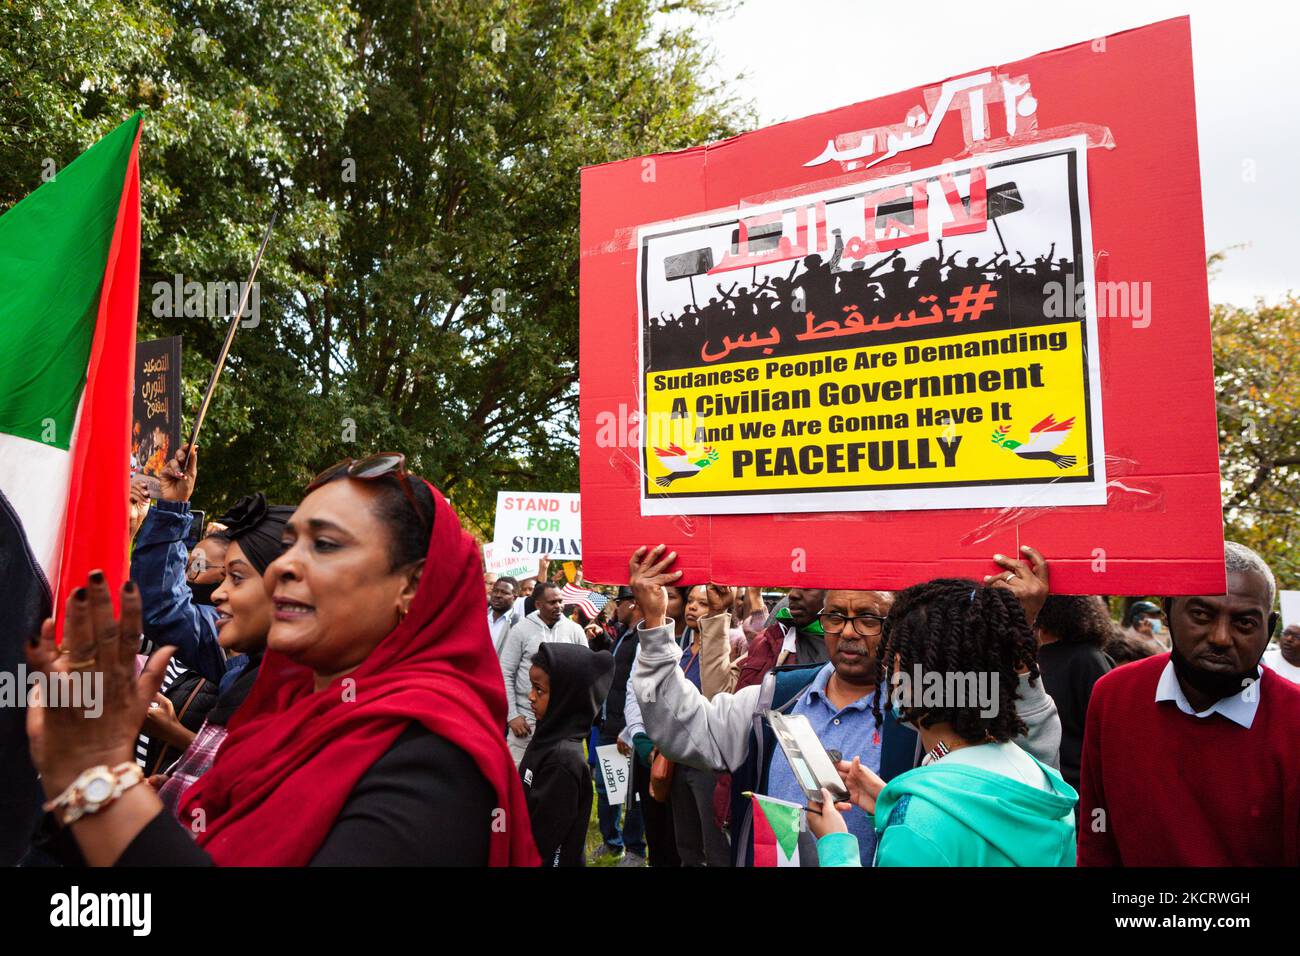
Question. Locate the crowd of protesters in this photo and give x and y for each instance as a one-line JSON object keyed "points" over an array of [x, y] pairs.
{"points": [[324, 682]]}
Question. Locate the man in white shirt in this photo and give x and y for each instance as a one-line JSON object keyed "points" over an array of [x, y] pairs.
{"points": [[1285, 658], [501, 602], [547, 623]]}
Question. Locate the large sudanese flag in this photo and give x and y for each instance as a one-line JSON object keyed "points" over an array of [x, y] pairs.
{"points": [[69, 280]]}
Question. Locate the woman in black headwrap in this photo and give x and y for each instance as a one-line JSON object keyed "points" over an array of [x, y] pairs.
{"points": [[244, 611]]}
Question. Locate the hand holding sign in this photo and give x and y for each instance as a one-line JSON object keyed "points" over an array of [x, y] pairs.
{"points": [[648, 576], [719, 597], [1027, 581]]}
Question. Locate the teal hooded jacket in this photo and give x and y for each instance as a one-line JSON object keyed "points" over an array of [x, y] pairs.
{"points": [[959, 815]]}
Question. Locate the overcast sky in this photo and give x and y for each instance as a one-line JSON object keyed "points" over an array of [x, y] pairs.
{"points": [[1244, 55]]}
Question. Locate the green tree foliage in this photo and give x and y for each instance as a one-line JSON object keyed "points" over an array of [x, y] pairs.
{"points": [[1256, 355], [420, 293], [234, 94]]}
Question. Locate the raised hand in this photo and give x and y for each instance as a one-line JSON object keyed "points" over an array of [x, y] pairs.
{"points": [[139, 504], [178, 481], [648, 576], [1027, 580], [719, 597], [101, 726]]}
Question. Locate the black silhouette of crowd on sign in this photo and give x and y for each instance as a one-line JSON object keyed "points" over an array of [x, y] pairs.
{"points": [[891, 289]]}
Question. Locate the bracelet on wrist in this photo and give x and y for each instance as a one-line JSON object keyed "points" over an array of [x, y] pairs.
{"points": [[93, 790]]}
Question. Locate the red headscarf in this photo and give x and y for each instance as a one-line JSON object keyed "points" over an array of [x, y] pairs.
{"points": [[293, 755]]}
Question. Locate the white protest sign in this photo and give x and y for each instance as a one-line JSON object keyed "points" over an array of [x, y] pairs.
{"points": [[616, 769], [539, 523], [499, 561], [1290, 608]]}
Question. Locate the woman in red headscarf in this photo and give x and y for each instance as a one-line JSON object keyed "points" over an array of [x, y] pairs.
{"points": [[373, 735]]}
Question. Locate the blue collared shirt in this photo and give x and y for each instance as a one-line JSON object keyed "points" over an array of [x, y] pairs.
{"points": [[1239, 708], [853, 732]]}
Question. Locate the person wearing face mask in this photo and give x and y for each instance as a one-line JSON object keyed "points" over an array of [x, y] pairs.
{"points": [[1144, 625], [1208, 729], [207, 567], [243, 619], [372, 735], [175, 586], [977, 799], [522, 641]]}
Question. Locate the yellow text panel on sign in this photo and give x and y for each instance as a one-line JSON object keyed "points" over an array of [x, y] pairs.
{"points": [[937, 410]]}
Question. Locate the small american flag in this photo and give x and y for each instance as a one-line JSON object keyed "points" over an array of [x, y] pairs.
{"points": [[590, 602]]}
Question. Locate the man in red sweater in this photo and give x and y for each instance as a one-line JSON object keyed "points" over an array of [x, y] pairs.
{"points": [[1189, 757]]}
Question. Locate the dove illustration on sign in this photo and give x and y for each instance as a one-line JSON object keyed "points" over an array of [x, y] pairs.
{"points": [[682, 465], [1044, 439]]}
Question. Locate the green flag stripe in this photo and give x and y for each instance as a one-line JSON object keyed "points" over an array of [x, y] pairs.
{"points": [[53, 250], [784, 821]]}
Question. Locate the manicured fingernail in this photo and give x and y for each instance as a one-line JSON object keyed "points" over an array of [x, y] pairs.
{"points": [[998, 557], [1024, 547], [35, 640], [129, 587], [96, 577], [79, 594]]}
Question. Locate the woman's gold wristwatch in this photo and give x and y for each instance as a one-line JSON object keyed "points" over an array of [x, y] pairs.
{"points": [[93, 790]]}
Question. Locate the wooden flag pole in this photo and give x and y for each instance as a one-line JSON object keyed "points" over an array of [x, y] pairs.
{"points": [[225, 348]]}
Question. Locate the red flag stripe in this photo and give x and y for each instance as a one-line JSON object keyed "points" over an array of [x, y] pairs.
{"points": [[96, 519]]}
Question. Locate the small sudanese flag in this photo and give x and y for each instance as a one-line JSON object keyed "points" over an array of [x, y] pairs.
{"points": [[776, 831]]}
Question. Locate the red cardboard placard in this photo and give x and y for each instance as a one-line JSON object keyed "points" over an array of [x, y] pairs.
{"points": [[1110, 124]]}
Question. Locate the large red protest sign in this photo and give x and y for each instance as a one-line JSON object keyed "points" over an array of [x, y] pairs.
{"points": [[880, 344]]}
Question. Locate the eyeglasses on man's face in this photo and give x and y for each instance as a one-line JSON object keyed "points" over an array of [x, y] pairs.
{"points": [[867, 625]]}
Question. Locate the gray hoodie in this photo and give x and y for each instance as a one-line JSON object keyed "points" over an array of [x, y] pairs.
{"points": [[714, 734]]}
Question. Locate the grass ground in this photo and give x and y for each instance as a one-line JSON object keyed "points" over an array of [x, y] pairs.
{"points": [[594, 838]]}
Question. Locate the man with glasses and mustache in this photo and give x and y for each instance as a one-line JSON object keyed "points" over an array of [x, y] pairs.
{"points": [[730, 733]]}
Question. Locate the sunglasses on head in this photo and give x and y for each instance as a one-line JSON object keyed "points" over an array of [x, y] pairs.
{"points": [[383, 465]]}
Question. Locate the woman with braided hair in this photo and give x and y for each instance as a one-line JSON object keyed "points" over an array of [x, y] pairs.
{"points": [[954, 652]]}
